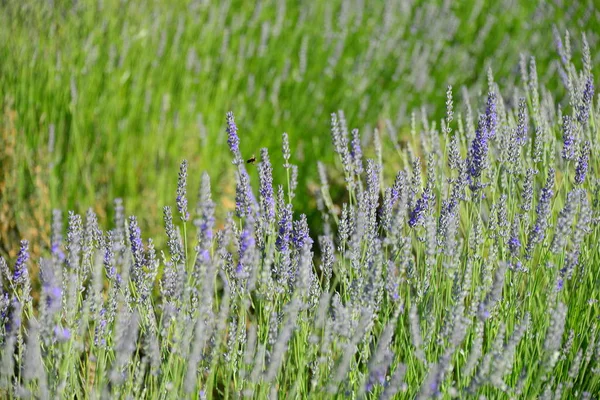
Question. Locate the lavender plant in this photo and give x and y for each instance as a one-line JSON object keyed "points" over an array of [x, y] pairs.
{"points": [[465, 286]]}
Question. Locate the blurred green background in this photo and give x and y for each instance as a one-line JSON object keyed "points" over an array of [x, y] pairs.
{"points": [[102, 99]]}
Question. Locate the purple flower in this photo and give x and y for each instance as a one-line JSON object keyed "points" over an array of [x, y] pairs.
{"points": [[174, 242], [433, 387], [301, 235], [284, 227], [246, 249], [284, 233], [339, 134], [454, 159], [74, 236], [285, 145], [137, 247], [51, 287], [372, 173], [522, 122], [119, 220], [514, 244], [246, 240], [447, 215], [62, 334], [233, 140], [205, 211], [543, 206], [293, 181], [267, 199], [15, 316], [243, 193], [479, 149], [21, 276], [527, 194], [205, 255], [543, 209], [568, 151], [356, 152], [559, 46], [109, 256], [417, 215], [4, 305], [327, 258], [57, 238], [376, 377], [182, 191], [583, 111], [582, 164], [100, 329], [491, 115]]}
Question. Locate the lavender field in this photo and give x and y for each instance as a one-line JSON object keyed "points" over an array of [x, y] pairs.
{"points": [[264, 208]]}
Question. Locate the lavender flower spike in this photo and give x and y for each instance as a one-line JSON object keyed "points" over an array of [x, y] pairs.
{"points": [[356, 152], [543, 210], [182, 191], [417, 215], [286, 150], [522, 122], [233, 140], [583, 111], [479, 150], [267, 198], [568, 151], [244, 199], [137, 249], [491, 115], [21, 276], [582, 164], [514, 244], [57, 227], [543, 207], [205, 210]]}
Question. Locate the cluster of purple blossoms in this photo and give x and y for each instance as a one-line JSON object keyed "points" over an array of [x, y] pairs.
{"points": [[284, 231], [135, 238], [182, 203], [491, 115], [583, 111], [486, 130], [543, 210], [233, 140], [356, 152], [21, 275], [479, 150], [514, 243], [582, 163], [74, 238], [424, 203], [569, 145], [522, 122], [300, 233], [244, 198], [109, 256], [246, 247], [267, 197], [51, 288], [206, 212], [57, 226]]}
